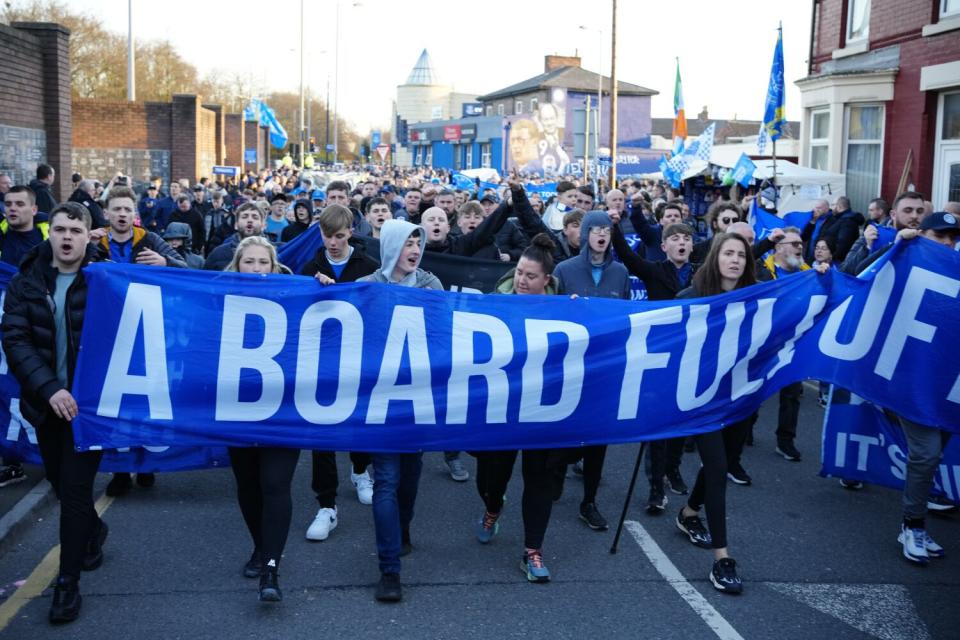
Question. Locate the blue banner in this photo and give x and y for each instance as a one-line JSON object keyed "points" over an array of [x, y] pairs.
{"points": [[284, 361], [260, 112], [743, 171], [764, 222], [862, 442], [19, 441]]}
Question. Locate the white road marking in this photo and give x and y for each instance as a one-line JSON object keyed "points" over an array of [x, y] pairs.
{"points": [[675, 579]]}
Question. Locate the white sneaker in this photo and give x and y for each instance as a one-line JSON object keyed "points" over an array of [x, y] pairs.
{"points": [[914, 544], [364, 486], [323, 524]]}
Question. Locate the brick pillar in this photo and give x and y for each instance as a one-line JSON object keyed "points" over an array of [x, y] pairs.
{"points": [[57, 109], [263, 157], [218, 116], [233, 139], [185, 129], [251, 141]]}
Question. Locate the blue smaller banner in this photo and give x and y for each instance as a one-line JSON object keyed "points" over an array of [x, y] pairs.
{"points": [[250, 156], [764, 222], [743, 170], [471, 109], [546, 190], [862, 442], [374, 138]]}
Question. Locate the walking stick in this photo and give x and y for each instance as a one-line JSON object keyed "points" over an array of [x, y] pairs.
{"points": [[626, 503]]}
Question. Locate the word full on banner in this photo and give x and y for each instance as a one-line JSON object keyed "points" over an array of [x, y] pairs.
{"points": [[194, 358]]}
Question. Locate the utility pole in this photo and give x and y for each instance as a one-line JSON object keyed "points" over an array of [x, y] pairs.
{"points": [[300, 129], [613, 98], [131, 74], [336, 86]]}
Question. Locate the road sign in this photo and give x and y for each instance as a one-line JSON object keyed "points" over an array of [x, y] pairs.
{"points": [[375, 138], [329, 147], [383, 150], [233, 172]]}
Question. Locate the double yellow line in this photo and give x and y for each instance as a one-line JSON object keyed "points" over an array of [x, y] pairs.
{"points": [[41, 577]]}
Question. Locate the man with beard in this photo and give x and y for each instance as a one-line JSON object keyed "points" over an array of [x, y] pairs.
{"points": [[249, 222], [908, 211]]}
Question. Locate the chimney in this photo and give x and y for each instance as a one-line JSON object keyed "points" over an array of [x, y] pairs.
{"points": [[703, 116], [555, 62]]}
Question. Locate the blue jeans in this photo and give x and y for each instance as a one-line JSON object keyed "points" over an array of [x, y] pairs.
{"points": [[395, 480]]}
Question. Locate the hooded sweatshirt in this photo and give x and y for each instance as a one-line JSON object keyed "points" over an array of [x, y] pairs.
{"points": [[579, 275], [393, 235]]}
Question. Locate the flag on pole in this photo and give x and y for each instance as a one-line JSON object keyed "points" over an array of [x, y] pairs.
{"points": [[774, 111], [679, 117]]}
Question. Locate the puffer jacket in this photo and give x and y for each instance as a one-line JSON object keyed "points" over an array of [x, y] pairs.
{"points": [[29, 329]]}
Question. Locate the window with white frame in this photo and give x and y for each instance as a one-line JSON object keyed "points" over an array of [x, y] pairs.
{"points": [[858, 19], [951, 117], [518, 107], [534, 104], [949, 8], [819, 139], [428, 156], [485, 155], [863, 153], [500, 109], [489, 109], [468, 161]]}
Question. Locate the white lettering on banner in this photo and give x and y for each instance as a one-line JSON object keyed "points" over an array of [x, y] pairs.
{"points": [[407, 332], [785, 355], [308, 360], [905, 323], [690, 369], [572, 371], [463, 366], [18, 423], [840, 454], [741, 384], [954, 395], [639, 359], [863, 447], [234, 358], [143, 304], [869, 319]]}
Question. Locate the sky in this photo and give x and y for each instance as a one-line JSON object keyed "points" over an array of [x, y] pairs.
{"points": [[725, 49]]}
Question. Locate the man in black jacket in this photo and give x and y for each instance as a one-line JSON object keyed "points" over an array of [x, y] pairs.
{"points": [[42, 188], [843, 226], [187, 212], [42, 321], [86, 194]]}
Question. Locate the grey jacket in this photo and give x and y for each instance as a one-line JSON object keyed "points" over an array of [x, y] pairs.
{"points": [[576, 274]]}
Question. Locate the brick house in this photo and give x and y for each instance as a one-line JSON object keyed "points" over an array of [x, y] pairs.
{"points": [[881, 100]]}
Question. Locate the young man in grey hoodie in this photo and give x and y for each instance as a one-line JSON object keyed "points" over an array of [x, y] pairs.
{"points": [[595, 274], [397, 475]]}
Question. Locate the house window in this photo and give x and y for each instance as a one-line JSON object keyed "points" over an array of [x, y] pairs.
{"points": [[489, 109], [863, 153], [858, 20], [819, 139], [468, 162], [518, 107], [951, 117], [485, 155], [949, 8], [428, 155], [534, 103], [500, 109]]}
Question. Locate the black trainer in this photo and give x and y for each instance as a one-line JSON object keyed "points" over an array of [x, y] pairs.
{"points": [[940, 505], [270, 586], [591, 515], [93, 557], [66, 601], [389, 589], [788, 451], [119, 485], [724, 576], [254, 565], [676, 483], [738, 475], [657, 501], [146, 480], [693, 527]]}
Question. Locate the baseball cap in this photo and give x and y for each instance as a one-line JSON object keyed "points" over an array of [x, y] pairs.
{"points": [[489, 198], [940, 221], [318, 195]]}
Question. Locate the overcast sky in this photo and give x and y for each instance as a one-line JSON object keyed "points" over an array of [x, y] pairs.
{"points": [[725, 49]]}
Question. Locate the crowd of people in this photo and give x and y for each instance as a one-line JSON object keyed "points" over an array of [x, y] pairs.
{"points": [[575, 244]]}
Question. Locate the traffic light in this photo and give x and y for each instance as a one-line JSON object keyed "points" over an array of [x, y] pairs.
{"points": [[313, 144]]}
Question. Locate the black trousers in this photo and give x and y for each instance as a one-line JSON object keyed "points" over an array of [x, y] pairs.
{"points": [[263, 490], [710, 488], [593, 457], [789, 412], [325, 481], [734, 437], [72, 474], [494, 469], [664, 455]]}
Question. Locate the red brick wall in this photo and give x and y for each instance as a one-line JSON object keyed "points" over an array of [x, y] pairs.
{"points": [[233, 139], [207, 143], [21, 96], [106, 124], [251, 141], [829, 29]]}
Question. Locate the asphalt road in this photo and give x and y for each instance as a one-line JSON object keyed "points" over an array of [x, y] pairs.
{"points": [[817, 562]]}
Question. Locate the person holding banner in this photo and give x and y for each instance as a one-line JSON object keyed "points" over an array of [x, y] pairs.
{"points": [[593, 273], [43, 316], [908, 210], [263, 474], [541, 467], [396, 476]]}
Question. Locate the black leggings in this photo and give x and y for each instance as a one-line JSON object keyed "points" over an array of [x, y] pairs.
{"points": [[494, 469], [665, 455], [710, 488], [263, 490], [72, 474], [593, 458], [325, 481]]}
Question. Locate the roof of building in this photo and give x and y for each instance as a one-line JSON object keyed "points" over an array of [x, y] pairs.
{"points": [[725, 128], [423, 72], [566, 77]]}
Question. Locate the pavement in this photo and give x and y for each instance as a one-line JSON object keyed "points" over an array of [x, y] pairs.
{"points": [[817, 561]]}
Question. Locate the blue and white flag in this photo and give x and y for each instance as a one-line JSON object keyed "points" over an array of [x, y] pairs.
{"points": [[774, 109], [699, 149], [764, 222], [283, 361], [743, 171], [259, 111], [863, 442]]}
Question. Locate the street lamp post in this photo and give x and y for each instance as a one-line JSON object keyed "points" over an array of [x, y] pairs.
{"points": [[300, 129], [131, 74], [599, 112], [613, 98]]}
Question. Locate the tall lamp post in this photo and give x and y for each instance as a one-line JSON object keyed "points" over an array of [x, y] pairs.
{"points": [[613, 98], [131, 74], [300, 129], [597, 129]]}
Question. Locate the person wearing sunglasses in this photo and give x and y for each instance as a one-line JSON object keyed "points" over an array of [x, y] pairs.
{"points": [[720, 216]]}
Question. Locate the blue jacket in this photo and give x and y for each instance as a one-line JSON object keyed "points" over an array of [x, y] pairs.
{"points": [[576, 274]]}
